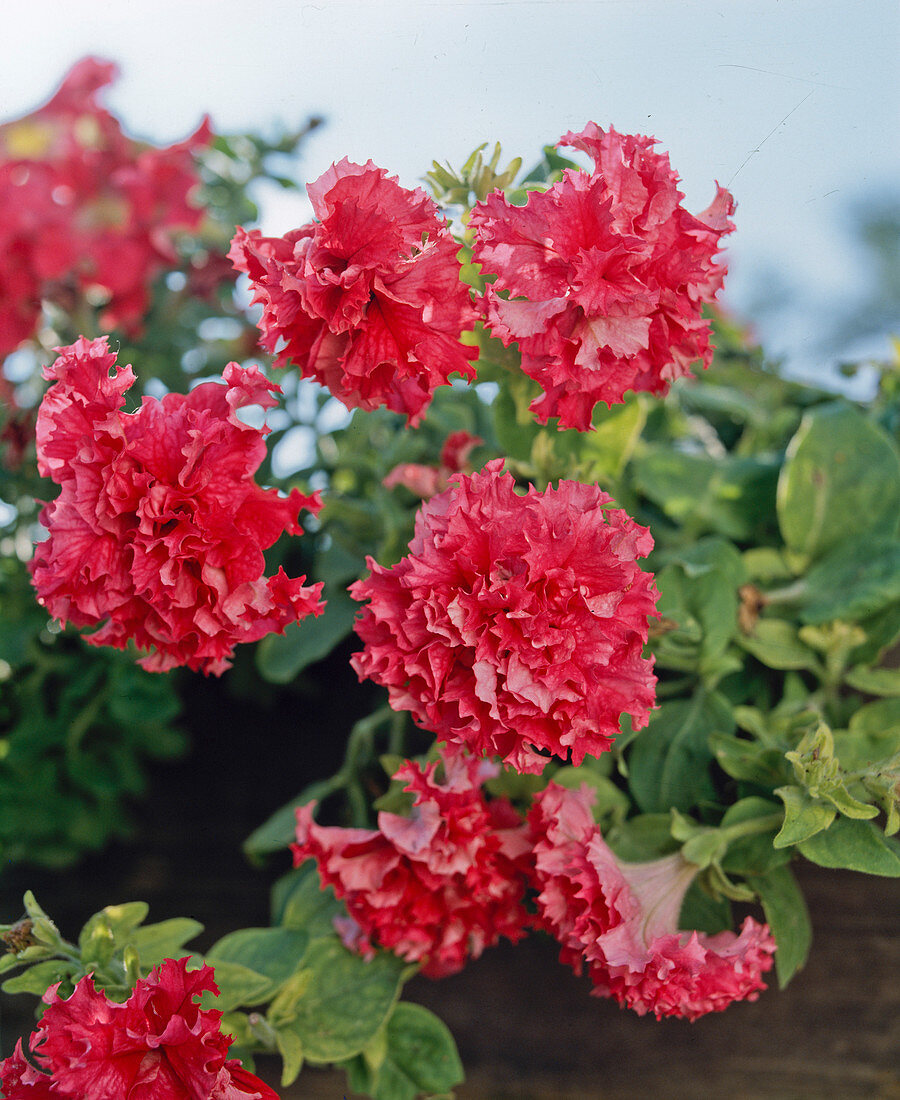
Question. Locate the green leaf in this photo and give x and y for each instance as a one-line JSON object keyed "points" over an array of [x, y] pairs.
{"points": [[873, 735], [643, 838], [280, 657], [855, 845], [854, 580], [804, 816], [753, 854], [877, 719], [845, 803], [163, 940], [422, 1049], [299, 901], [725, 495], [705, 914], [669, 761], [776, 644], [97, 942], [764, 563], [841, 472], [238, 985], [37, 979], [347, 1001], [514, 423], [605, 451], [273, 952], [116, 920], [290, 1047], [283, 1008], [787, 916], [874, 681], [749, 760], [10, 961], [698, 591]]}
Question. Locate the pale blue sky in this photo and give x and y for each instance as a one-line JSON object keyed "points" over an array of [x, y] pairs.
{"points": [[794, 105]]}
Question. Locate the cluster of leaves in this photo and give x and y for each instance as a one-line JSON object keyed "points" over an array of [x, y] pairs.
{"points": [[76, 727], [309, 998]]}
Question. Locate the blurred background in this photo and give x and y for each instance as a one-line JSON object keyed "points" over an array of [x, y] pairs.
{"points": [[793, 106]]}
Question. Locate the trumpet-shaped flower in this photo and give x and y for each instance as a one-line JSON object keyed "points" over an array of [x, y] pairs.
{"points": [[620, 920]]}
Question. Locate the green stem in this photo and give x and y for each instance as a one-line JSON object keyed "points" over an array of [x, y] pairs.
{"points": [[396, 734], [752, 826], [787, 594]]}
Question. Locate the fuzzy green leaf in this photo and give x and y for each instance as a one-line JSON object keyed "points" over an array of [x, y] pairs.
{"points": [[280, 657], [163, 940], [787, 915], [669, 761], [273, 952], [855, 845], [347, 1000], [839, 464], [804, 816]]}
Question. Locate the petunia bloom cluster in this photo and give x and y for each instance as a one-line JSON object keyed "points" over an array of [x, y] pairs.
{"points": [[515, 625], [157, 1045], [601, 279], [159, 529], [620, 919], [86, 213], [367, 299], [437, 887]]}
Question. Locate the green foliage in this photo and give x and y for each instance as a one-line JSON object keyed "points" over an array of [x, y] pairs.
{"points": [[114, 947], [413, 1054], [77, 726], [839, 465], [669, 763], [785, 909]]}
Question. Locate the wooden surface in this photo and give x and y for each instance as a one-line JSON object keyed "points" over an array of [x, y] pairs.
{"points": [[527, 1029]]}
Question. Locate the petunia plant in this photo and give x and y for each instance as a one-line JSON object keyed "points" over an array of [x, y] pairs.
{"points": [[630, 657]]}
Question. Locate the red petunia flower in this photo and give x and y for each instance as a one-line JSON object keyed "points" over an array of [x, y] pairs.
{"points": [[159, 530], [621, 919], [368, 299], [515, 625], [86, 212], [157, 1045], [425, 481], [437, 887], [603, 276]]}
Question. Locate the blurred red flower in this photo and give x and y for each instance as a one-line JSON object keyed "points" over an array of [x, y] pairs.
{"points": [[437, 887], [157, 1045], [425, 481], [87, 213], [621, 919], [159, 530], [515, 624], [601, 279], [367, 300]]}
